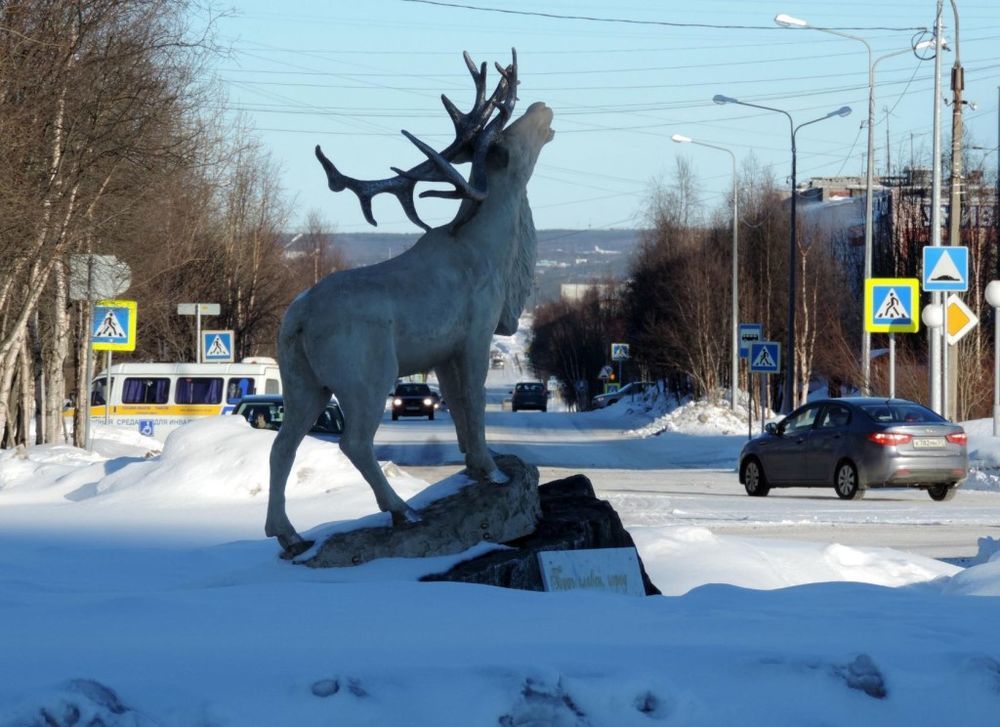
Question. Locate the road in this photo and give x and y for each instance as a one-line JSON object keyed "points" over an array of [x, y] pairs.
{"points": [[677, 479]]}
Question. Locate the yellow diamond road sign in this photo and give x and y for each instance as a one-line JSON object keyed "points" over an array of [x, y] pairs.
{"points": [[958, 319]]}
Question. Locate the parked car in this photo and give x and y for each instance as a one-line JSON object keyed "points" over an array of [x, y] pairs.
{"points": [[631, 389], [414, 400], [529, 395], [267, 411], [855, 444]]}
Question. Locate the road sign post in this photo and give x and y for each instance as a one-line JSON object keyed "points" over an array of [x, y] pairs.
{"points": [[619, 353], [946, 269], [112, 329], [892, 305], [198, 310], [764, 358]]}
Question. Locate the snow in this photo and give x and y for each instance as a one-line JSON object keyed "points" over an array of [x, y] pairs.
{"points": [[137, 587]]}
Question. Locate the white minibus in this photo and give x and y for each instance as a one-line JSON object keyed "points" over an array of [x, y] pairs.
{"points": [[156, 398]]}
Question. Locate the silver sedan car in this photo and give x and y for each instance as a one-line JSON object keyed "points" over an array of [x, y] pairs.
{"points": [[854, 444]]}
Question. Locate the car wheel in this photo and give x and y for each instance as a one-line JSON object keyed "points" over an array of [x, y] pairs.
{"points": [[544, 408], [513, 408], [754, 480], [845, 482], [942, 493], [395, 416], [430, 417]]}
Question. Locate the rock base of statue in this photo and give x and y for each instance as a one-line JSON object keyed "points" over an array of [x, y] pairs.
{"points": [[572, 519], [452, 523]]}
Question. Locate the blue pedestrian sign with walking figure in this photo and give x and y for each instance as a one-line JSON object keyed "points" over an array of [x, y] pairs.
{"points": [[892, 305], [113, 325], [217, 346], [765, 357]]}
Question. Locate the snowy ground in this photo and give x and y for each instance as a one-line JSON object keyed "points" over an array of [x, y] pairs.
{"points": [[141, 591]]}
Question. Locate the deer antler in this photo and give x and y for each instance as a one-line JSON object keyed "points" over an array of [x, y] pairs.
{"points": [[474, 133]]}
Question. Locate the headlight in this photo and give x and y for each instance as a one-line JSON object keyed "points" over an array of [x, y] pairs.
{"points": [[427, 401], [397, 402]]}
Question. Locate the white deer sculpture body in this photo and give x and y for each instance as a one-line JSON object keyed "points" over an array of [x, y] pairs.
{"points": [[436, 306]]}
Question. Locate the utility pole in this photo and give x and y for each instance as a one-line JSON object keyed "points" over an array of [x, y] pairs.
{"points": [[955, 208], [935, 336]]}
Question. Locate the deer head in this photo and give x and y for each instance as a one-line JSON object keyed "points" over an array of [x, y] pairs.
{"points": [[475, 132]]}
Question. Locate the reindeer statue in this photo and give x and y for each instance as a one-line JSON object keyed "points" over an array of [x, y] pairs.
{"points": [[435, 306]]}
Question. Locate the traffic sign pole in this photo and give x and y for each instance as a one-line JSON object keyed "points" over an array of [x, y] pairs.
{"points": [[107, 390], [88, 367], [892, 365]]}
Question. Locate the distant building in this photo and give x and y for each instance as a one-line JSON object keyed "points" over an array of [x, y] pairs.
{"points": [[575, 292], [901, 212]]}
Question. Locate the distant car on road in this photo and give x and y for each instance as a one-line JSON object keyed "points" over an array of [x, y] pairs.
{"points": [[414, 400], [854, 444], [267, 411], [529, 395], [631, 389]]}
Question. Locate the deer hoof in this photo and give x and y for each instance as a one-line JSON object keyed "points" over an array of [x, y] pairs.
{"points": [[406, 516], [293, 546], [497, 477]]}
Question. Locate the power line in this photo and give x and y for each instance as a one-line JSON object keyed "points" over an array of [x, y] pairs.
{"points": [[632, 21]]}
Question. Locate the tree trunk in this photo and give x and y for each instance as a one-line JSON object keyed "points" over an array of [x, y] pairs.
{"points": [[56, 352]]}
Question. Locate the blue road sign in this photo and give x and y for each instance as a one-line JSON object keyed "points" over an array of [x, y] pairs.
{"points": [[892, 305], [619, 351], [765, 357], [946, 268], [217, 346], [748, 333], [113, 325], [146, 427]]}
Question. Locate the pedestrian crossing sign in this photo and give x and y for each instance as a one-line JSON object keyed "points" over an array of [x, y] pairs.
{"points": [[892, 305], [765, 357], [217, 347], [112, 327]]}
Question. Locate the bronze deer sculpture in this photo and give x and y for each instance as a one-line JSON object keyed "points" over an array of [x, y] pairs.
{"points": [[435, 306]]}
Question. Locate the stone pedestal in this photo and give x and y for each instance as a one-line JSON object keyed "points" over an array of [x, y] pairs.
{"points": [[572, 519], [477, 512]]}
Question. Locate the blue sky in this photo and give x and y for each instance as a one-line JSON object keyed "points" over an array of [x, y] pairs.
{"points": [[350, 75]]}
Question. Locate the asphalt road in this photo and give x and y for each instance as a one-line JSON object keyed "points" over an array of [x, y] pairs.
{"points": [[676, 486]]}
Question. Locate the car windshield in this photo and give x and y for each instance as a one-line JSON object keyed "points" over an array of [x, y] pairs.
{"points": [[413, 390], [533, 388], [894, 412]]}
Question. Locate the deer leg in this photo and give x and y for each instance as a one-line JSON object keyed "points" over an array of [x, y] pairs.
{"points": [[303, 404], [479, 463], [448, 378], [362, 415]]}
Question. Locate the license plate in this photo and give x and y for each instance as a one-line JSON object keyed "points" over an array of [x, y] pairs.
{"points": [[928, 442]]}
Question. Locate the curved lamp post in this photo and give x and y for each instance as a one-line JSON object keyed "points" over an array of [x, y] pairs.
{"points": [[787, 21], [789, 393], [678, 138]]}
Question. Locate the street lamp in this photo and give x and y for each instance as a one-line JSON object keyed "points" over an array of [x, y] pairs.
{"points": [[789, 393], [678, 138], [787, 21]]}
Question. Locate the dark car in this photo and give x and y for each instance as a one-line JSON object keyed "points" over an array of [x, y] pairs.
{"points": [[414, 400], [854, 444], [631, 389], [267, 411], [529, 395]]}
